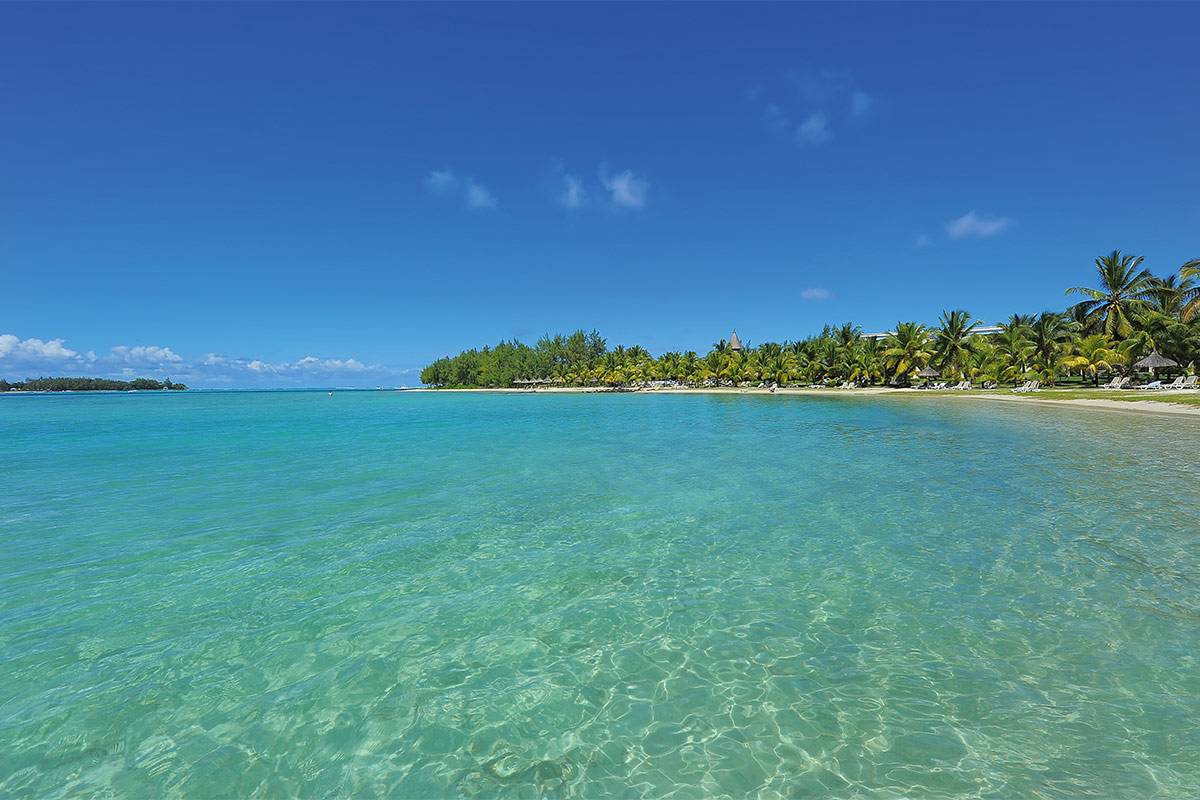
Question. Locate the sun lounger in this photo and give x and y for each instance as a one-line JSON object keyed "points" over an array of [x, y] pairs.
{"points": [[1152, 386], [1024, 387], [1190, 383], [1176, 384], [1112, 384]]}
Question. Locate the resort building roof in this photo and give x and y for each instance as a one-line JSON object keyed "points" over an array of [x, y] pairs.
{"points": [[734, 342], [981, 329]]}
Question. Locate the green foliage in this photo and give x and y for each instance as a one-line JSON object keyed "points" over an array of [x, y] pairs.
{"points": [[1131, 313], [88, 385]]}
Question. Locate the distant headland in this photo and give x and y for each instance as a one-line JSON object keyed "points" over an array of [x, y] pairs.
{"points": [[88, 385]]}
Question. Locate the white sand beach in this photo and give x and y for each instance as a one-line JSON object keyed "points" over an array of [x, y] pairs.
{"points": [[1156, 406]]}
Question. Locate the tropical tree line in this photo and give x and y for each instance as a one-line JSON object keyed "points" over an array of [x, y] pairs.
{"points": [[1126, 315], [87, 385]]}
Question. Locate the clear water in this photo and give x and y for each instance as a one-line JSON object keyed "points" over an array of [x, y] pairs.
{"points": [[406, 595]]}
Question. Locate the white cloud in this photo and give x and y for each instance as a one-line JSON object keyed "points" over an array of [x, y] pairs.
{"points": [[821, 99], [814, 130], [148, 356], [20, 359], [445, 183], [478, 196], [860, 103], [625, 189], [817, 294], [573, 195], [971, 225], [442, 182], [34, 349]]}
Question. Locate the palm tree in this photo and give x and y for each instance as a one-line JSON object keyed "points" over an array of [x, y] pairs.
{"points": [[1178, 341], [690, 365], [1169, 295], [847, 334], [1121, 298], [1092, 354], [908, 349], [769, 349], [777, 369], [986, 364], [1012, 345], [1192, 296], [1047, 334], [952, 342]]}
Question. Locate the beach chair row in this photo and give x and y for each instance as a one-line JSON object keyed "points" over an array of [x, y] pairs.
{"points": [[1028, 386], [1182, 382]]}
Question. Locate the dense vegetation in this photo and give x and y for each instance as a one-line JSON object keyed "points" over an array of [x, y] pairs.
{"points": [[86, 385], [1128, 314]]}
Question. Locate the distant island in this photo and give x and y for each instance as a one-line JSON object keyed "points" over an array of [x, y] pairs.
{"points": [[88, 385], [1130, 321]]}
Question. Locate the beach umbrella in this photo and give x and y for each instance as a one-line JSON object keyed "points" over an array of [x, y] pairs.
{"points": [[1155, 361], [928, 372]]}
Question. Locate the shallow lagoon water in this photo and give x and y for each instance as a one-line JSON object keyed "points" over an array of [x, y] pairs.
{"points": [[387, 594]]}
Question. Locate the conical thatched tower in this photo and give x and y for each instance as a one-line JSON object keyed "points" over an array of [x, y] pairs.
{"points": [[735, 344]]}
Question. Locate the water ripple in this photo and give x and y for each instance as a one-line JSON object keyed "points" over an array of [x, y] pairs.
{"points": [[381, 595]]}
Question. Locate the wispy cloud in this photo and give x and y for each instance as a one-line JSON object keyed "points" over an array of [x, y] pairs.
{"points": [[478, 196], [824, 100], [442, 182], [814, 130], [445, 183], [626, 190], [973, 226], [25, 358], [817, 294], [573, 194]]}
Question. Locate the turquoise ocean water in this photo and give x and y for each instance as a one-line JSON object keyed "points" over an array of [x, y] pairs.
{"points": [[414, 595]]}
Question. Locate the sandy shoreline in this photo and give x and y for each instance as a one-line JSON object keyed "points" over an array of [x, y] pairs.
{"points": [[1164, 408]]}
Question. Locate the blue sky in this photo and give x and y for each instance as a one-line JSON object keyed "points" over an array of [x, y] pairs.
{"points": [[271, 194]]}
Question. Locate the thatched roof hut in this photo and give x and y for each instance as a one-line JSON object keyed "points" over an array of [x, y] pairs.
{"points": [[1155, 361], [928, 372], [735, 344]]}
